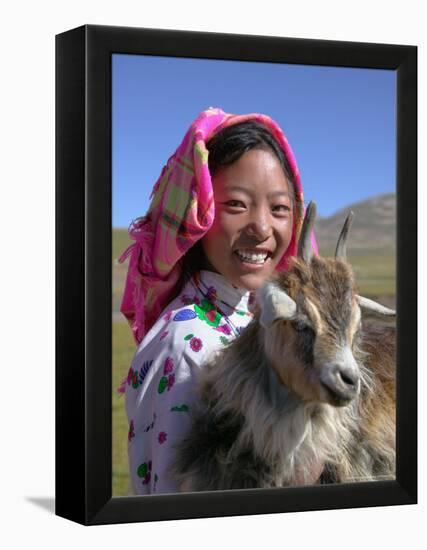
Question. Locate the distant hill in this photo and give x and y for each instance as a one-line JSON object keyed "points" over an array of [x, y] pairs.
{"points": [[373, 229]]}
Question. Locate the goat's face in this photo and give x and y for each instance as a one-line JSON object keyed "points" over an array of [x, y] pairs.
{"points": [[312, 349], [311, 318]]}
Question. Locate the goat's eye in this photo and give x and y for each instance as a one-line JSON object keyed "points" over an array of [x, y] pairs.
{"points": [[301, 326]]}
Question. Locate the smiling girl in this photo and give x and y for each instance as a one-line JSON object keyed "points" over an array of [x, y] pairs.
{"points": [[225, 214]]}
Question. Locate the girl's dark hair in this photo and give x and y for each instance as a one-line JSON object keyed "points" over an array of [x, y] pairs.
{"points": [[230, 143], [226, 147]]}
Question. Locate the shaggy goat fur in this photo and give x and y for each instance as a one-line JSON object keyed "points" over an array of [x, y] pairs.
{"points": [[264, 420]]}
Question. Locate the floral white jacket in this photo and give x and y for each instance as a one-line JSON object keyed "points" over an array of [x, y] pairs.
{"points": [[160, 387]]}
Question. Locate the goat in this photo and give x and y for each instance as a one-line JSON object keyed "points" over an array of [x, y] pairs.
{"points": [[305, 394]]}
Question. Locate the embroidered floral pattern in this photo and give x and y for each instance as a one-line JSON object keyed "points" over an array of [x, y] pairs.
{"points": [[170, 382], [167, 316], [185, 315], [196, 344], [208, 313], [156, 479], [144, 471], [186, 300], [168, 379], [211, 294], [131, 433], [143, 370], [151, 425], [168, 368], [135, 378], [225, 329], [180, 408], [163, 382]]}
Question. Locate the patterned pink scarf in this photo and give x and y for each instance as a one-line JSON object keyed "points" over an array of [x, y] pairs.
{"points": [[181, 212]]}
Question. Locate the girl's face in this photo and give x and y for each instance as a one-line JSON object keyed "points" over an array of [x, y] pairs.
{"points": [[253, 219]]}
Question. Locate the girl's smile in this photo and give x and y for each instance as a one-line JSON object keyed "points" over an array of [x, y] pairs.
{"points": [[253, 219]]}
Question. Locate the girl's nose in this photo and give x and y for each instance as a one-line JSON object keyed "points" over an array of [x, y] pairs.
{"points": [[259, 229]]}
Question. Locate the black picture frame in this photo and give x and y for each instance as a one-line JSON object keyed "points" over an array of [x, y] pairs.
{"points": [[83, 274]]}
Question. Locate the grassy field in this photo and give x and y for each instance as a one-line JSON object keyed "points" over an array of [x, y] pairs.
{"points": [[123, 350], [375, 274]]}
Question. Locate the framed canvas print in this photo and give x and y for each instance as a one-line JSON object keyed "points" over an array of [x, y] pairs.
{"points": [[236, 274]]}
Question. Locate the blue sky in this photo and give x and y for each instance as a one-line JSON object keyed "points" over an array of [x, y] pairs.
{"points": [[340, 122]]}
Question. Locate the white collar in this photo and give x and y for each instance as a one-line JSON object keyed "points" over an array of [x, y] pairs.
{"points": [[226, 293]]}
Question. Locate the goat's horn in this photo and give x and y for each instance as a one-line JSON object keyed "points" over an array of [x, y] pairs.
{"points": [[374, 307], [275, 304], [305, 251], [341, 250]]}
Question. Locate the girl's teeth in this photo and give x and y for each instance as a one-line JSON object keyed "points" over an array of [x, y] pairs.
{"points": [[252, 258]]}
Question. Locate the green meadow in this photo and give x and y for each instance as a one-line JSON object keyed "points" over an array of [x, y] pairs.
{"points": [[123, 350], [375, 273]]}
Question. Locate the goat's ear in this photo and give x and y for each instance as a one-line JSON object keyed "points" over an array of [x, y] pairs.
{"points": [[275, 304], [374, 307]]}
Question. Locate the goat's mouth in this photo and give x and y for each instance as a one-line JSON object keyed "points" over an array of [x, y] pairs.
{"points": [[337, 396]]}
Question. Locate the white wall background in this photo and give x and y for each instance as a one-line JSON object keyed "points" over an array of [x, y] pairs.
{"points": [[27, 253]]}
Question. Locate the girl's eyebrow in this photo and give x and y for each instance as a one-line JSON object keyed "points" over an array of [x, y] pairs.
{"points": [[280, 192]]}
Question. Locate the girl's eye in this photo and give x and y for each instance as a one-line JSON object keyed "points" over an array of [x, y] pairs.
{"points": [[281, 208], [235, 204]]}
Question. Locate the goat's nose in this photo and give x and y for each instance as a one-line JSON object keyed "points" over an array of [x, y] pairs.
{"points": [[349, 378], [341, 381]]}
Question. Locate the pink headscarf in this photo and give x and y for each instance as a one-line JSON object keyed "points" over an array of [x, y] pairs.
{"points": [[181, 212]]}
